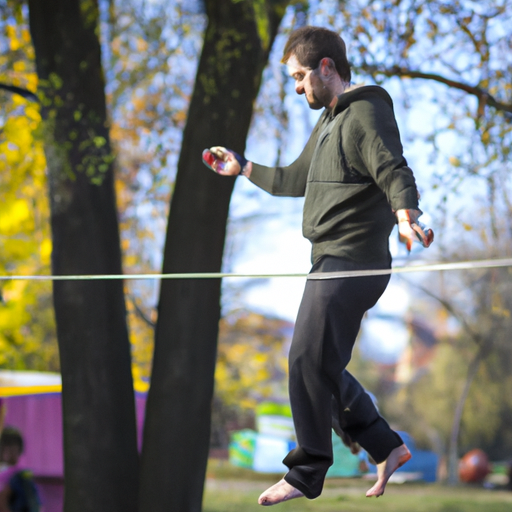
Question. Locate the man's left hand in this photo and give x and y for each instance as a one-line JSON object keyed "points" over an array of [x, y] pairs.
{"points": [[410, 229]]}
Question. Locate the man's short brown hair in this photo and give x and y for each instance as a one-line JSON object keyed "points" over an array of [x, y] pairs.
{"points": [[311, 44]]}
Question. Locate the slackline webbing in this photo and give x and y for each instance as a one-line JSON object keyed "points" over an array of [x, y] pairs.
{"points": [[462, 265]]}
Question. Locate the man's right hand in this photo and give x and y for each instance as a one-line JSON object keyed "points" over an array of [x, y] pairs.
{"points": [[225, 162]]}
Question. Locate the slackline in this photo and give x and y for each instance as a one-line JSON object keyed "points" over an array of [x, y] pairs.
{"points": [[434, 267]]}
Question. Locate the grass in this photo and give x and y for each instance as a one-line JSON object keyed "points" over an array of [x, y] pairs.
{"points": [[231, 489]]}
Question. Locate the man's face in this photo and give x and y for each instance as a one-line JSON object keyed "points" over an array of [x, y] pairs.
{"points": [[308, 82]]}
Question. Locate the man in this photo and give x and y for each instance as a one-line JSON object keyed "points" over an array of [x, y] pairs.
{"points": [[357, 186]]}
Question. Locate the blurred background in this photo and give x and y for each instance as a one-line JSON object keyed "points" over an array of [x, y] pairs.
{"points": [[435, 352]]}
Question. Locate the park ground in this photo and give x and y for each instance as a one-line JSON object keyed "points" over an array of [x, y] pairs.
{"points": [[231, 489]]}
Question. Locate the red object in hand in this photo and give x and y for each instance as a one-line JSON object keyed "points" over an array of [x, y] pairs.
{"points": [[428, 233], [211, 161], [474, 466]]}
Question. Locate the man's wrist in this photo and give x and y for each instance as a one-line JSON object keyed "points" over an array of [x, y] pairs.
{"points": [[242, 162], [246, 169], [408, 215]]}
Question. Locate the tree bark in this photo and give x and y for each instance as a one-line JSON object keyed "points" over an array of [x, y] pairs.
{"points": [[484, 347], [177, 429], [100, 449], [453, 452]]}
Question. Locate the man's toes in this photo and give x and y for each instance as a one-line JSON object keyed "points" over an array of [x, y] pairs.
{"points": [[377, 490]]}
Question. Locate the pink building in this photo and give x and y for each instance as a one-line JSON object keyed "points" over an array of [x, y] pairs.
{"points": [[33, 405]]}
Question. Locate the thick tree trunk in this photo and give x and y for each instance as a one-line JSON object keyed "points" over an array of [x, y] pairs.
{"points": [[177, 429], [100, 451]]}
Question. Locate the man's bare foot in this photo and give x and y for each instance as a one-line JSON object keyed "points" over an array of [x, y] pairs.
{"points": [[282, 491], [398, 457]]}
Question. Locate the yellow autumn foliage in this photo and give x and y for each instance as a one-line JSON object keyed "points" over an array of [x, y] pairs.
{"points": [[252, 360], [27, 327]]}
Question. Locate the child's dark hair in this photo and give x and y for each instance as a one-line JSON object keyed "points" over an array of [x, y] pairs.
{"points": [[11, 436]]}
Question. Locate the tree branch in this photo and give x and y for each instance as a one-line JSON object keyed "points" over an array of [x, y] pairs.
{"points": [[477, 339], [483, 96], [142, 315], [19, 90]]}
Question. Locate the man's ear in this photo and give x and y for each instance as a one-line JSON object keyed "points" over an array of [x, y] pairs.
{"points": [[327, 66]]}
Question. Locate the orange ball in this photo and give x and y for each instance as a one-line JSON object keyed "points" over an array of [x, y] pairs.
{"points": [[474, 466]]}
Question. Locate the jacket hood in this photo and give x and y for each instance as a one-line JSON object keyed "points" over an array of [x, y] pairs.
{"points": [[344, 100]]}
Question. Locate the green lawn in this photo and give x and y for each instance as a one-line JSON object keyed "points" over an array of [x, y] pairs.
{"points": [[238, 491]]}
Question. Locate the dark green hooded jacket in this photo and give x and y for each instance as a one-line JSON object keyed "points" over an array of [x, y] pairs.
{"points": [[353, 175]]}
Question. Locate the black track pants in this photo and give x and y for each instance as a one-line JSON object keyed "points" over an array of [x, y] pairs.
{"points": [[327, 324]]}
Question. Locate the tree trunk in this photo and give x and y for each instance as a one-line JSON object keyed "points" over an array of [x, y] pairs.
{"points": [[177, 429], [453, 453], [100, 450]]}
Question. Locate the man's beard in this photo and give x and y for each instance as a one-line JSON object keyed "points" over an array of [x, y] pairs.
{"points": [[315, 103]]}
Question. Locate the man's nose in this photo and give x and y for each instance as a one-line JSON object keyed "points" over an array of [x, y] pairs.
{"points": [[299, 88]]}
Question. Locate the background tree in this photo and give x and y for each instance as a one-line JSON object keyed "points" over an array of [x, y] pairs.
{"points": [[237, 42], [480, 302], [144, 46], [252, 366], [98, 405], [453, 59]]}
